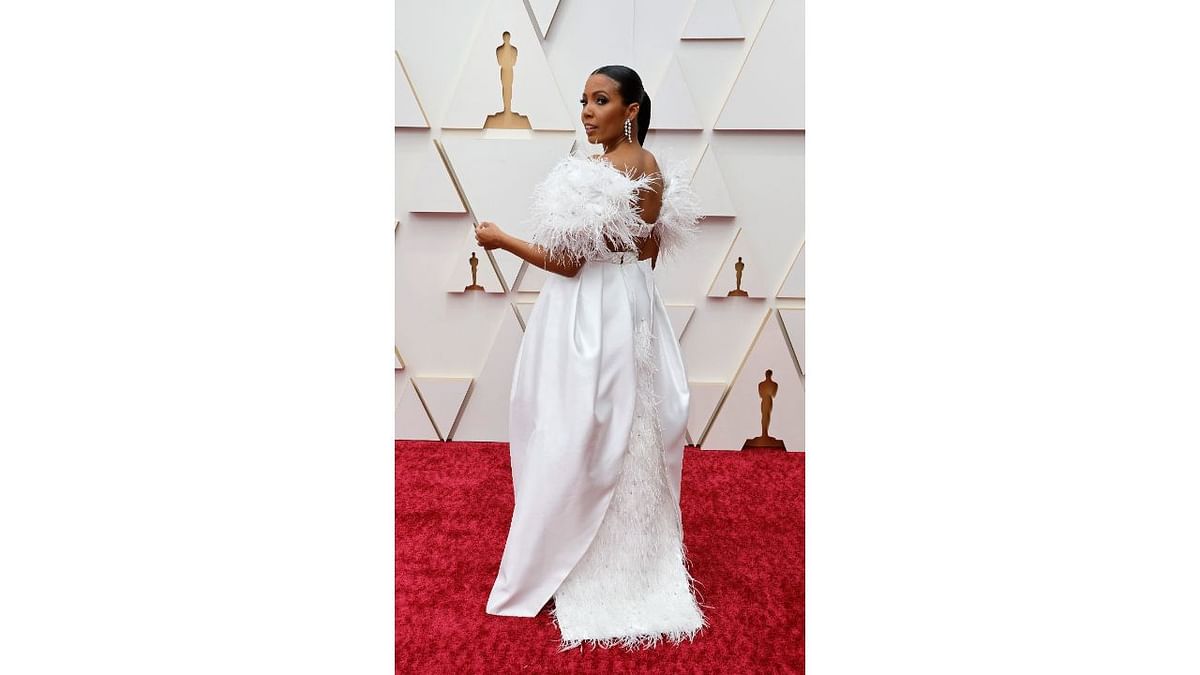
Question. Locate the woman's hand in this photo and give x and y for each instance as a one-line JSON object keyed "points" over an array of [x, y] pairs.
{"points": [[489, 235]]}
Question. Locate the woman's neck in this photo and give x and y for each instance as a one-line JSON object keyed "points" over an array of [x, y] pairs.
{"points": [[610, 149]]}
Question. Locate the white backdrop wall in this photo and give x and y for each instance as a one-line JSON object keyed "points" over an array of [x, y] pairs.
{"points": [[726, 80]]}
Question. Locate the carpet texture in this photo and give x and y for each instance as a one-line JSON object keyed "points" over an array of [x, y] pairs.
{"points": [[743, 525]]}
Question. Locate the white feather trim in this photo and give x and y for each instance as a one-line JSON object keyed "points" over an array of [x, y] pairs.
{"points": [[586, 207], [582, 203], [680, 212]]}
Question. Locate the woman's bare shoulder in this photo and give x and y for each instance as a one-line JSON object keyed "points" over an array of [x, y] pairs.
{"points": [[642, 164], [650, 161], [650, 168]]}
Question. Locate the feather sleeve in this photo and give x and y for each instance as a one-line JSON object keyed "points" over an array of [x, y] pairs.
{"points": [[677, 221], [582, 205]]}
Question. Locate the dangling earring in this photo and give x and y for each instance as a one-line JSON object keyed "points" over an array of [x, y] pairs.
{"points": [[628, 130]]}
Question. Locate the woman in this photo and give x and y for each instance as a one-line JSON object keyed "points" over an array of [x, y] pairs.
{"points": [[599, 397]]}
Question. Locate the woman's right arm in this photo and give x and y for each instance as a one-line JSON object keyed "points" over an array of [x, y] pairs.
{"points": [[536, 255], [490, 236]]}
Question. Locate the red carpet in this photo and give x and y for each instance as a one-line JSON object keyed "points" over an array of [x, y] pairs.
{"points": [[743, 519]]}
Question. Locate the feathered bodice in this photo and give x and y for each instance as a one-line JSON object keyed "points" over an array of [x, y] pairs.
{"points": [[586, 208]]}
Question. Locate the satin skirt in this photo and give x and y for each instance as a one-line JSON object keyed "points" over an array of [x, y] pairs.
{"points": [[597, 413]]}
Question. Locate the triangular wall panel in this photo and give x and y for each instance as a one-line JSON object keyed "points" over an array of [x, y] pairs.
{"points": [[524, 309], [485, 417], [753, 280], [713, 20], [702, 403], [673, 105], [680, 316], [709, 185], [793, 324], [793, 284], [408, 109], [434, 190], [443, 398], [769, 90], [740, 415], [710, 68], [412, 420], [485, 268], [543, 14], [681, 281], [680, 145], [479, 91], [497, 177]]}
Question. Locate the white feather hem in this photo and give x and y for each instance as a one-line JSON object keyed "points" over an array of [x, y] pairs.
{"points": [[632, 587]]}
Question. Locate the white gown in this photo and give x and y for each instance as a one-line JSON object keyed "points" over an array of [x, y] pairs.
{"points": [[597, 413]]}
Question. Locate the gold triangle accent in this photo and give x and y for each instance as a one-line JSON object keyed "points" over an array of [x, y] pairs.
{"points": [[462, 407], [742, 67], [520, 321], [425, 407], [788, 275], [413, 89], [787, 337], [713, 417], [462, 194]]}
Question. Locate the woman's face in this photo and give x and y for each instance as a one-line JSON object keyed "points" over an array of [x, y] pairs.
{"points": [[603, 112]]}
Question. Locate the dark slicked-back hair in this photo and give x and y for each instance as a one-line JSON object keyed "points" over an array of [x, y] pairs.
{"points": [[629, 85]]}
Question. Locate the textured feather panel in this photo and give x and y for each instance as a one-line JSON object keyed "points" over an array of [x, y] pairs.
{"points": [[582, 205], [632, 587]]}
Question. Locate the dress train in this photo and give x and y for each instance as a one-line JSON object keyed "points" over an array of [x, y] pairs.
{"points": [[632, 587]]}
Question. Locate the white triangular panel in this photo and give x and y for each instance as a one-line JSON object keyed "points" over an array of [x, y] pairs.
{"points": [[753, 281], [433, 190], [532, 278], [408, 109], [676, 144], [769, 90], [709, 184], [710, 68], [443, 397], [793, 324], [478, 92], [485, 270], [681, 281], [680, 315], [498, 175], [713, 20], [524, 307], [702, 403], [485, 417], [673, 105], [412, 422], [741, 413], [543, 13], [793, 284]]}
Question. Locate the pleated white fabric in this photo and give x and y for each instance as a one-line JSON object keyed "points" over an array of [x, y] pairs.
{"points": [[597, 413]]}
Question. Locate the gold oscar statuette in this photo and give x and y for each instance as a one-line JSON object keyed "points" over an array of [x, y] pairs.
{"points": [[738, 292], [506, 56], [474, 275], [766, 391]]}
